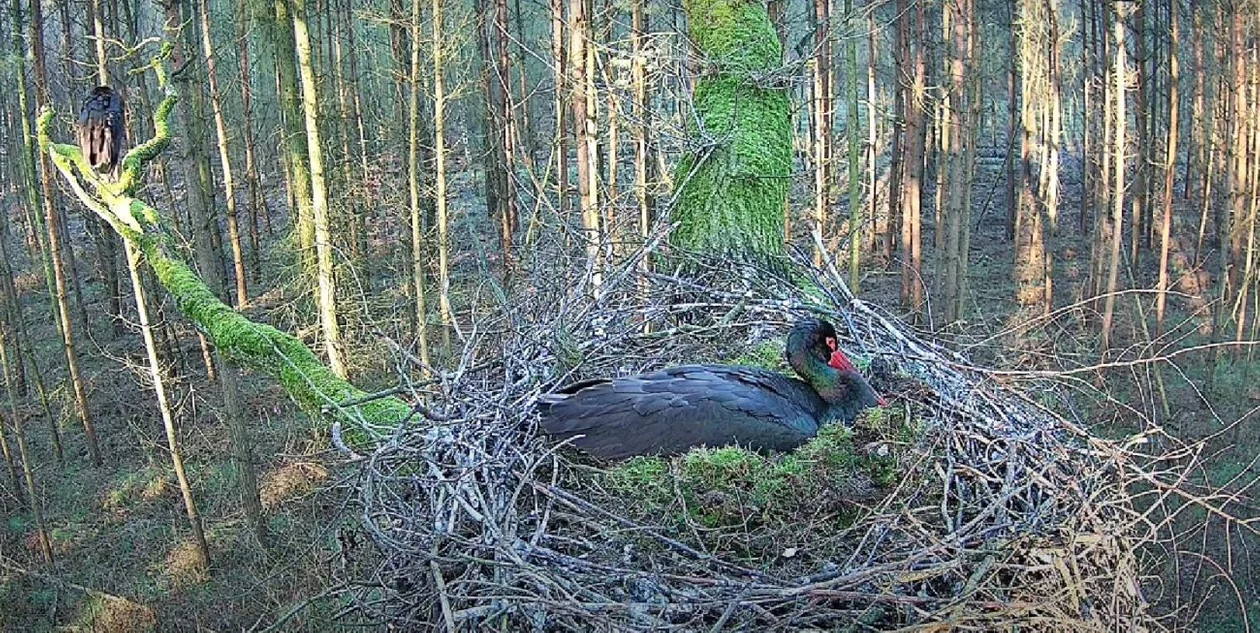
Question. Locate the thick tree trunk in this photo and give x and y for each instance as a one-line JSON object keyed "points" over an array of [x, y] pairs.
{"points": [[732, 193], [296, 155]]}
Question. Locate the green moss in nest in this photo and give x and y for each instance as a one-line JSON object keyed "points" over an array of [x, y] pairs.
{"points": [[767, 355]]}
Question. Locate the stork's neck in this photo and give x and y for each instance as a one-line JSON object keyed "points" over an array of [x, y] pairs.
{"points": [[812, 369]]}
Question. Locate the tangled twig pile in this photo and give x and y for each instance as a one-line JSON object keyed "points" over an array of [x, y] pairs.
{"points": [[1002, 512]]}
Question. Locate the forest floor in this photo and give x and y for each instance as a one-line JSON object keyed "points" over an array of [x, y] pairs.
{"points": [[121, 529]]}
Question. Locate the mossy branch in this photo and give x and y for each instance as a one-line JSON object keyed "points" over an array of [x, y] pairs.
{"points": [[257, 346]]}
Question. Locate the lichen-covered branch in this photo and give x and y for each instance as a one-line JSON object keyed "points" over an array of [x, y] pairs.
{"points": [[257, 346]]}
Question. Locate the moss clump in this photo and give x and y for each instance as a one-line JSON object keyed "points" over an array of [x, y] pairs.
{"points": [[748, 503], [767, 355]]}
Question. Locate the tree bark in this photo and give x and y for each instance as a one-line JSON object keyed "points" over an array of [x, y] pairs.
{"points": [[319, 194]]}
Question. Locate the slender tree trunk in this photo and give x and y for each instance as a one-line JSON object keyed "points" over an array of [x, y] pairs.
{"points": [[319, 194], [225, 162], [896, 167], [953, 120], [912, 197], [1012, 170], [643, 176], [106, 243], [34, 184], [872, 138], [53, 219], [252, 179], [413, 177], [822, 124], [164, 407], [559, 59], [1055, 134], [1117, 158], [1201, 134], [1170, 166], [853, 130], [582, 96], [439, 145], [497, 132]]}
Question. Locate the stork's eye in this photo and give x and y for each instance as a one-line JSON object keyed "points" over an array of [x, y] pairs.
{"points": [[831, 343]]}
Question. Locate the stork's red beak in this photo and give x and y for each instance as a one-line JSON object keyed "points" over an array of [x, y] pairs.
{"points": [[840, 361]]}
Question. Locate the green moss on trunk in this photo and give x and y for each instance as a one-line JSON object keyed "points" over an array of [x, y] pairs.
{"points": [[735, 182]]}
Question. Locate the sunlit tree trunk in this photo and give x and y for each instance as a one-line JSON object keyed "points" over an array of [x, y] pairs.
{"points": [[1117, 176], [822, 123], [164, 406], [439, 176], [643, 163], [296, 155], [319, 194], [912, 195], [853, 131], [1054, 134], [106, 243], [872, 139], [731, 194], [1170, 165], [559, 61], [582, 102]]}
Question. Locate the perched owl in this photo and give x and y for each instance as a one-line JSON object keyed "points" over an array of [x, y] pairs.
{"points": [[102, 130]]}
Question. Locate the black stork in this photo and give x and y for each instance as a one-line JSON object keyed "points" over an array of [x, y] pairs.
{"points": [[670, 411]]}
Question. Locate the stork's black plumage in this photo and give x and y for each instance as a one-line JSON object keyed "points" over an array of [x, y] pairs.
{"points": [[670, 411], [102, 129]]}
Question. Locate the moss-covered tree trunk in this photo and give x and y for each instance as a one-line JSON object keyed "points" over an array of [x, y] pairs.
{"points": [[734, 182]]}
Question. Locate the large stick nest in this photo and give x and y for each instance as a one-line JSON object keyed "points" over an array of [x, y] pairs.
{"points": [[1001, 511]]}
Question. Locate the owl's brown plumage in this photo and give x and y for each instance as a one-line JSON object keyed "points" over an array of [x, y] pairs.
{"points": [[102, 130]]}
